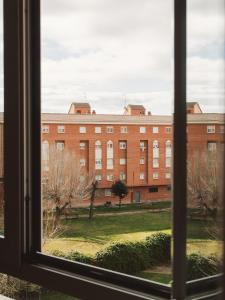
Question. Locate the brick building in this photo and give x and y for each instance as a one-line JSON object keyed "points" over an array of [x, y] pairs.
{"points": [[135, 147]]}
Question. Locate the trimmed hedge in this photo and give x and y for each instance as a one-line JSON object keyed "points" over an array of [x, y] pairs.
{"points": [[199, 266], [74, 256], [124, 257], [159, 246]]}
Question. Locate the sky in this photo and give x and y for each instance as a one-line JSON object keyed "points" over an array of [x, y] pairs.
{"points": [[111, 53]]}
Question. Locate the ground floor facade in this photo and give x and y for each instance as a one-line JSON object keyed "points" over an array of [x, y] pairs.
{"points": [[136, 194]]}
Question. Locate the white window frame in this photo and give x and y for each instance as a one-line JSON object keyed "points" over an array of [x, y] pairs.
{"points": [[82, 129], [211, 129], [168, 130], [212, 146], [123, 161], [122, 145], [109, 129], [123, 129], [61, 129], [98, 130], [155, 175], [60, 145], [155, 162], [155, 129], [45, 129], [122, 176], [82, 162], [110, 177], [82, 145], [108, 193], [142, 129], [142, 161], [142, 176], [98, 177], [168, 175]]}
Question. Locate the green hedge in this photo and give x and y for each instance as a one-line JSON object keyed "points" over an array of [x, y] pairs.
{"points": [[74, 256], [159, 246], [199, 266], [124, 257]]}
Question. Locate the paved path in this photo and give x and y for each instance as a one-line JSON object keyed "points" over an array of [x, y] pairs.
{"points": [[135, 212]]}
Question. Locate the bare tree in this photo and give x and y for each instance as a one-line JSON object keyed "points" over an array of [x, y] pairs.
{"points": [[205, 181], [65, 183]]}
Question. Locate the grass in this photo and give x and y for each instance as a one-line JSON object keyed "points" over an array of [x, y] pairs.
{"points": [[91, 236]]}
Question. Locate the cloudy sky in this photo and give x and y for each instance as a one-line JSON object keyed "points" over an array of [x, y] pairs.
{"points": [[115, 52]]}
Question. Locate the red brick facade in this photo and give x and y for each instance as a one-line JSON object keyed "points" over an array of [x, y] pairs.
{"points": [[134, 147]]}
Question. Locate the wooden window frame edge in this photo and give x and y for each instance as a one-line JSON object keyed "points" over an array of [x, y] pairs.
{"points": [[20, 245]]}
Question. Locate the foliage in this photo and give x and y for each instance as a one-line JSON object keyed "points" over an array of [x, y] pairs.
{"points": [[120, 190], [74, 256], [159, 246], [11, 286], [126, 257], [199, 266]]}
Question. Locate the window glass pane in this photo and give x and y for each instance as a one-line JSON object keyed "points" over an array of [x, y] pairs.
{"points": [[1, 123], [107, 90], [205, 141]]}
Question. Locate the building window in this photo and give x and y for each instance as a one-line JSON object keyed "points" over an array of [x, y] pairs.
{"points": [[168, 149], [155, 129], [98, 130], [60, 145], [82, 145], [98, 177], [142, 129], [122, 176], [211, 129], [153, 189], [222, 129], [109, 155], [122, 161], [98, 155], [155, 149], [123, 145], [168, 129], [109, 129], [123, 129], [142, 176], [211, 146], [108, 193], [155, 175], [45, 129], [167, 175], [110, 177], [109, 163], [168, 162], [142, 146], [61, 129], [82, 129], [45, 155], [155, 163], [142, 161], [82, 162]]}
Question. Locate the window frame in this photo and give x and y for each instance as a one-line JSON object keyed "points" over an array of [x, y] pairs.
{"points": [[21, 255]]}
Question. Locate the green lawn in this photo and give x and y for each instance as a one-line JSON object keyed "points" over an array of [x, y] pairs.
{"points": [[89, 236]]}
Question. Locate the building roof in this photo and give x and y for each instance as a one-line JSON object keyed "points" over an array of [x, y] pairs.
{"points": [[192, 103], [134, 106], [81, 104], [205, 118]]}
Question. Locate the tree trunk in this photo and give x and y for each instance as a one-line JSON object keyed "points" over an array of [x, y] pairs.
{"points": [[92, 200], [120, 200]]}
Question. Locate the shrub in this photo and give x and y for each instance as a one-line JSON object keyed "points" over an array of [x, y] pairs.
{"points": [[74, 256], [159, 247], [124, 257], [199, 266]]}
